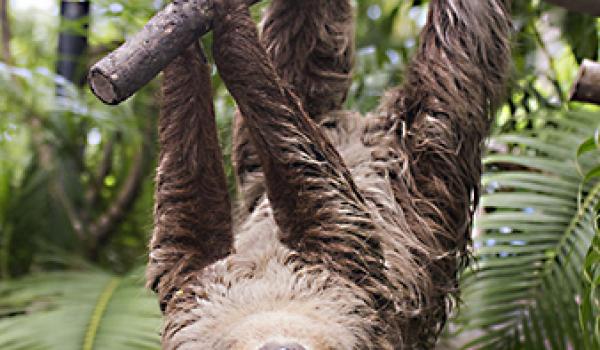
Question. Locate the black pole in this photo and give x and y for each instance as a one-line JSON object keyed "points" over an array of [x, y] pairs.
{"points": [[72, 48], [72, 42]]}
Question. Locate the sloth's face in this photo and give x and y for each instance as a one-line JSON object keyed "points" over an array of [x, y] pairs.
{"points": [[270, 306]]}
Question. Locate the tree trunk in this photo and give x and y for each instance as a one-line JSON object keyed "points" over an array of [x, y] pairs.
{"points": [[5, 31]]}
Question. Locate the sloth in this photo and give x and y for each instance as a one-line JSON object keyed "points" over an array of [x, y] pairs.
{"points": [[350, 230]]}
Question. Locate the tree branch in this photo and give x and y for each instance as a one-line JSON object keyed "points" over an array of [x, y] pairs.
{"points": [[106, 223], [56, 187], [587, 84], [590, 7], [91, 196], [123, 72], [119, 75]]}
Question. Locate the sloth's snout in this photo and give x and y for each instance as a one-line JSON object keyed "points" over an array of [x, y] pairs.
{"points": [[277, 346]]}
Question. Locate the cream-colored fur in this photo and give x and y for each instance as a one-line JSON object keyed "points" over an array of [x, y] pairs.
{"points": [[260, 295]]}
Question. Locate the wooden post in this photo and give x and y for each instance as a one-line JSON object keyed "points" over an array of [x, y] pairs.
{"points": [[587, 85], [118, 76]]}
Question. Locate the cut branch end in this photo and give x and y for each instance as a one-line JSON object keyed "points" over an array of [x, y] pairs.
{"points": [[587, 84], [122, 73], [103, 87]]}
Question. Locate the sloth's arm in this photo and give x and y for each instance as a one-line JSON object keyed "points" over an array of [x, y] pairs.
{"points": [[316, 204], [311, 45], [192, 214]]}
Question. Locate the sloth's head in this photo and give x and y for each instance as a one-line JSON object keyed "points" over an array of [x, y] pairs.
{"points": [[258, 301]]}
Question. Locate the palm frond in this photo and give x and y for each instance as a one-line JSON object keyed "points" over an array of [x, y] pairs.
{"points": [[79, 311], [536, 227], [589, 309]]}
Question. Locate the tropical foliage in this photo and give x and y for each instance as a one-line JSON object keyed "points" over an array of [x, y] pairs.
{"points": [[538, 221], [70, 275], [79, 311]]}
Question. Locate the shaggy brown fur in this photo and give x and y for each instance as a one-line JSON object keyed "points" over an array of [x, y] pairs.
{"points": [[311, 44], [192, 215], [357, 241]]}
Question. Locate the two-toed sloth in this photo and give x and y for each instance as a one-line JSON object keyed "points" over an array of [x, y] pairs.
{"points": [[352, 229]]}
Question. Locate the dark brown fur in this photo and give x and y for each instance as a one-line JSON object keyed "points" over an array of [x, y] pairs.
{"points": [[311, 45], [372, 212], [192, 215], [452, 88]]}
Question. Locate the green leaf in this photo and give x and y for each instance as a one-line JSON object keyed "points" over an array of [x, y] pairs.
{"points": [[589, 310], [79, 311], [589, 145], [532, 240]]}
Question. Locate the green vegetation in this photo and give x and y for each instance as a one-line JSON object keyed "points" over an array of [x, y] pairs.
{"points": [[70, 270]]}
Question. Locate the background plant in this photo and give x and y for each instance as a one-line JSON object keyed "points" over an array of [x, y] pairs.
{"points": [[69, 269]]}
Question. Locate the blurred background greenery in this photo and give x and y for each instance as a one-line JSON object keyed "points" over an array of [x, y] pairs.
{"points": [[76, 182]]}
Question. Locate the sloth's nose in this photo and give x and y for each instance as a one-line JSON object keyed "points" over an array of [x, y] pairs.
{"points": [[277, 346]]}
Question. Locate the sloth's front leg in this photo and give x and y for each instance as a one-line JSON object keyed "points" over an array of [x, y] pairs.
{"points": [[319, 210], [192, 214]]}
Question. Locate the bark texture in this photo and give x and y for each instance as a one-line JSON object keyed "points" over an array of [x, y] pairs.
{"points": [[123, 72], [587, 84]]}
